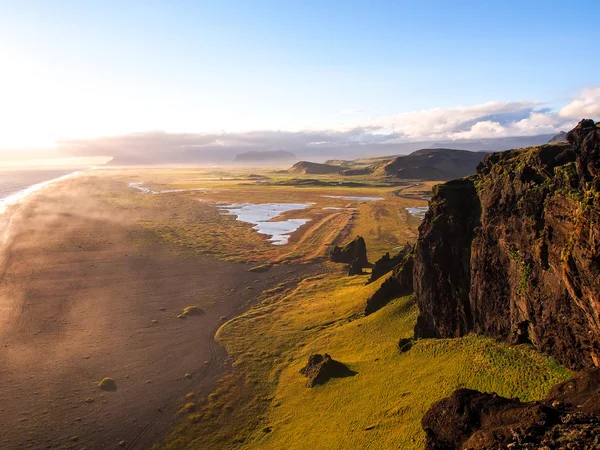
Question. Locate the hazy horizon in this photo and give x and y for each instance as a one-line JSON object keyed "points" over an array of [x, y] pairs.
{"points": [[86, 80]]}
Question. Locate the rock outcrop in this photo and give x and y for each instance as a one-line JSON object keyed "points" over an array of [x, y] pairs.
{"points": [[355, 268], [513, 252], [398, 284], [387, 263], [321, 368], [354, 250], [569, 417]]}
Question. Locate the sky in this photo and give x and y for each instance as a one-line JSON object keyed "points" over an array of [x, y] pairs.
{"points": [[76, 71]]}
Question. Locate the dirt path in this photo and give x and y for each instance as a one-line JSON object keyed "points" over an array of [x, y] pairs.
{"points": [[86, 294]]}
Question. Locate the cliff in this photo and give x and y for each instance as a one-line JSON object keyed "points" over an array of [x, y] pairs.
{"points": [[513, 252]]}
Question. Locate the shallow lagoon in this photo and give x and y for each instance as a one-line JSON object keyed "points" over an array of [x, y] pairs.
{"points": [[349, 197], [261, 215], [418, 211], [139, 185]]}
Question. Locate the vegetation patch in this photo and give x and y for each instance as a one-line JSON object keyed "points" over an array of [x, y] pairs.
{"points": [[381, 406]]}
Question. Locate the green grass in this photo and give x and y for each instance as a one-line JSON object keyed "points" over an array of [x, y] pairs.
{"points": [[264, 402]]}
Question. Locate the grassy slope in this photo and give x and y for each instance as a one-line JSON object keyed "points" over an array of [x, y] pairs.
{"points": [[264, 404]]}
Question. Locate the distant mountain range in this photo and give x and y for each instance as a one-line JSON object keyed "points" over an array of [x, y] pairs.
{"points": [[425, 164], [182, 150], [430, 164], [560, 137]]}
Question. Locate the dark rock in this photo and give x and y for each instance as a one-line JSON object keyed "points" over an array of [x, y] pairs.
{"points": [[400, 283], [355, 268], [405, 344], [470, 419], [581, 391], [386, 263], [321, 368], [354, 250], [513, 252]]}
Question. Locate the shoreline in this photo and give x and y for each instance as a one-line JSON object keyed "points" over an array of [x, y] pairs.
{"points": [[87, 294], [18, 196]]}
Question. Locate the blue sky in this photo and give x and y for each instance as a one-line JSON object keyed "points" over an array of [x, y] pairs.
{"points": [[85, 69]]}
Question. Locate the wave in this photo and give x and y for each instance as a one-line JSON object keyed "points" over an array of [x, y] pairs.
{"points": [[19, 196]]}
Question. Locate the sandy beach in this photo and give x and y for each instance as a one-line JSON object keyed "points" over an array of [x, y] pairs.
{"points": [[86, 293]]}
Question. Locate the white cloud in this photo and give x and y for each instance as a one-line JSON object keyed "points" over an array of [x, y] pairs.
{"points": [[379, 134], [487, 120], [586, 106]]}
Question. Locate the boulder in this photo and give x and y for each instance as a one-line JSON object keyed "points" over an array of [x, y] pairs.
{"points": [[321, 368]]}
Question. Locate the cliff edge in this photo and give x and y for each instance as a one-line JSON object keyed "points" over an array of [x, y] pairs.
{"points": [[513, 252]]}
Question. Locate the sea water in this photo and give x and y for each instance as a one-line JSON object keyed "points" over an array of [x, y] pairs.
{"points": [[418, 211], [17, 184]]}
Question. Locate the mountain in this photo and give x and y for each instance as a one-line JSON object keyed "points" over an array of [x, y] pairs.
{"points": [[266, 157], [560, 137], [425, 164], [311, 168], [157, 148], [513, 252], [494, 144]]}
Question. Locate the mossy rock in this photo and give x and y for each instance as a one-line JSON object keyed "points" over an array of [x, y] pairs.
{"points": [[107, 384], [192, 311]]}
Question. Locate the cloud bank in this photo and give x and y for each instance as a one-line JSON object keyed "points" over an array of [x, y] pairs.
{"points": [[459, 127]]}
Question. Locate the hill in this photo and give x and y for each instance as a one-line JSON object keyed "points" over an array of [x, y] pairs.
{"points": [[425, 164], [311, 168], [266, 157]]}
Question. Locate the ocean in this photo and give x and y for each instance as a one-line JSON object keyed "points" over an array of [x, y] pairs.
{"points": [[16, 184]]}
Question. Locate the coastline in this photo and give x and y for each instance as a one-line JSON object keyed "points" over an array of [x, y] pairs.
{"points": [[19, 196], [85, 293]]}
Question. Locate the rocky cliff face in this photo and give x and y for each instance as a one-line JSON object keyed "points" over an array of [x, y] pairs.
{"points": [[513, 252]]}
